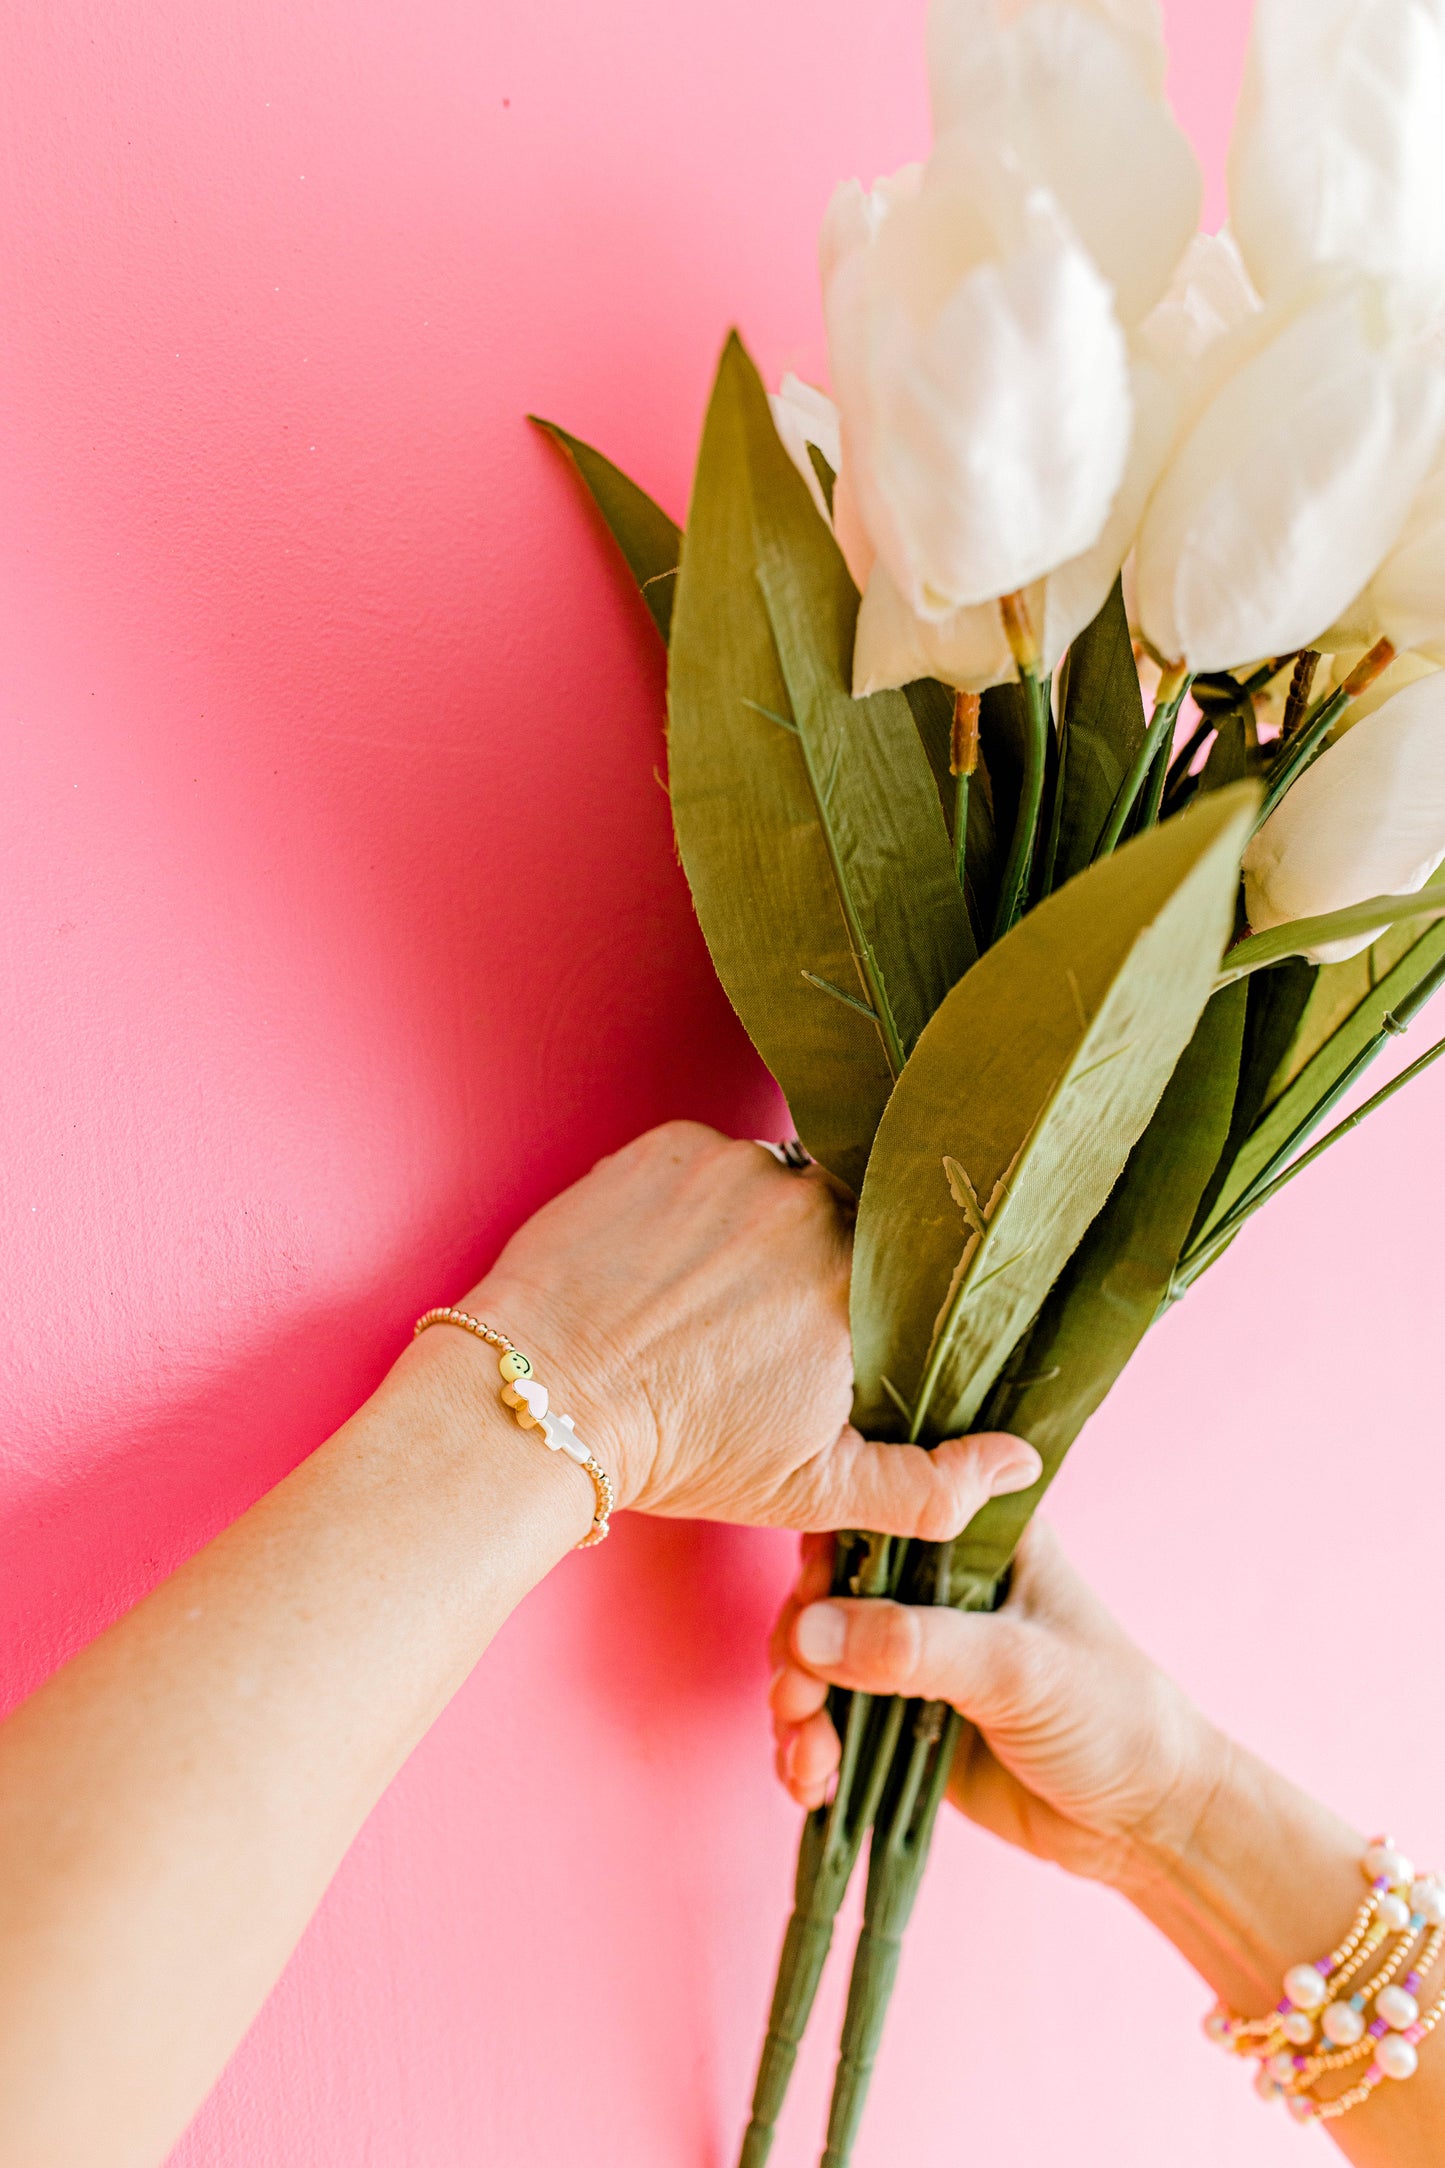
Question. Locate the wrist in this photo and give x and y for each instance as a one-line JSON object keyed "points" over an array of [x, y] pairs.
{"points": [[586, 1379], [1247, 1876]]}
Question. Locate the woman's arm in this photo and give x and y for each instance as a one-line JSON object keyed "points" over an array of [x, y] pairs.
{"points": [[1082, 1752], [174, 1802]]}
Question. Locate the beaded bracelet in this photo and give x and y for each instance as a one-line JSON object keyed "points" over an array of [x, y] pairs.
{"points": [[1402, 1908], [528, 1403]]}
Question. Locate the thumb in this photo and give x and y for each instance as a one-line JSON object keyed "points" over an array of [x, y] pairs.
{"points": [[904, 1490], [972, 1659]]}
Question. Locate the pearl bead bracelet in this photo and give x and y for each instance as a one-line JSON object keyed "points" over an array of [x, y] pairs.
{"points": [[1322, 2024], [529, 1404]]}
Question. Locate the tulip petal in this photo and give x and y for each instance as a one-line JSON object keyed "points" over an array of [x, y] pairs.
{"points": [[1368, 819], [1338, 154], [983, 380], [968, 650], [1062, 93], [1285, 495], [803, 415], [1406, 600], [1078, 590]]}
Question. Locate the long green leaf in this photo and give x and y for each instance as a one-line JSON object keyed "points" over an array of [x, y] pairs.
{"points": [[1298, 935], [1111, 1288], [1338, 991], [1102, 718], [1311, 1086], [808, 822], [1025, 1097], [1274, 1004], [647, 538]]}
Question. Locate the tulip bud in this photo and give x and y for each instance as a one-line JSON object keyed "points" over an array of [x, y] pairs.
{"points": [[1338, 154], [982, 377], [1368, 819]]}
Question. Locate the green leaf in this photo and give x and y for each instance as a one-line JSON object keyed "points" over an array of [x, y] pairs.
{"points": [[809, 824], [1275, 1004], [1338, 991], [1102, 711], [1037, 1076], [1300, 934], [1311, 1085], [647, 538], [1110, 1290]]}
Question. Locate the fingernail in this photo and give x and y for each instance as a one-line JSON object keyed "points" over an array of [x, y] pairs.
{"points": [[820, 1633], [1015, 1470]]}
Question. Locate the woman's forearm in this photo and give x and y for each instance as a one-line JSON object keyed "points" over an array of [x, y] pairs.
{"points": [[175, 1801], [1263, 1878]]}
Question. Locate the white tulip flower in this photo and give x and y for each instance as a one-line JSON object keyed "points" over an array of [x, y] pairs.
{"points": [[1405, 601], [1311, 426], [982, 376], [1072, 91], [1338, 153], [1368, 819]]}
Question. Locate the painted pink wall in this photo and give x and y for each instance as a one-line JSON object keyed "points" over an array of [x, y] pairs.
{"points": [[339, 924]]}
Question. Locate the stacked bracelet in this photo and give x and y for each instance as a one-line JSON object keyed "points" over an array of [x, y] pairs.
{"points": [[1323, 2022], [529, 1404]]}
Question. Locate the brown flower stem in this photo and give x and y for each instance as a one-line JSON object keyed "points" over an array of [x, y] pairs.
{"points": [[963, 760]]}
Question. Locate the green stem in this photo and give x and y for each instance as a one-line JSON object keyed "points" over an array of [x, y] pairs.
{"points": [[832, 1840], [1056, 812], [1277, 1169], [1154, 788], [1172, 688], [1295, 755], [960, 830], [1308, 740], [1021, 845], [1260, 1193]]}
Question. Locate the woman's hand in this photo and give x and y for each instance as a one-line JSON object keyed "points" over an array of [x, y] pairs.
{"points": [[1081, 1751], [687, 1302]]}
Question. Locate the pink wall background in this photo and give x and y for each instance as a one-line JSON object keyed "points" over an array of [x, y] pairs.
{"points": [[339, 924]]}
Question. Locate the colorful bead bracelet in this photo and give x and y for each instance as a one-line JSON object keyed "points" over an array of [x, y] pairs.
{"points": [[529, 1404], [1322, 2025]]}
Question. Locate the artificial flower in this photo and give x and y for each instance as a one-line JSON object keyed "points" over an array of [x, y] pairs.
{"points": [[1338, 151], [982, 376], [1307, 433], [1368, 819]]}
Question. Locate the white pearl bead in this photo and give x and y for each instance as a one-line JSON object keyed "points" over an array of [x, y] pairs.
{"points": [[1298, 2028], [1397, 2006], [1265, 2086], [1427, 1897], [1342, 2024], [1305, 1987], [1281, 2067], [1217, 2026], [1396, 2057], [1301, 2107], [1393, 1911], [1384, 1859]]}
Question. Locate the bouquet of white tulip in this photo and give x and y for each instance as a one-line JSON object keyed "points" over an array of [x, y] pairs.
{"points": [[1062, 992]]}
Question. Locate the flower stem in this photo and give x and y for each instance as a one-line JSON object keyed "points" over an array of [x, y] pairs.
{"points": [[1281, 1167], [901, 1843], [1167, 702], [1031, 794], [1296, 755], [962, 761], [832, 1840]]}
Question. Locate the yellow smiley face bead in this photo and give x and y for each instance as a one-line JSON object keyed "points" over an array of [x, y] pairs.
{"points": [[514, 1365]]}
